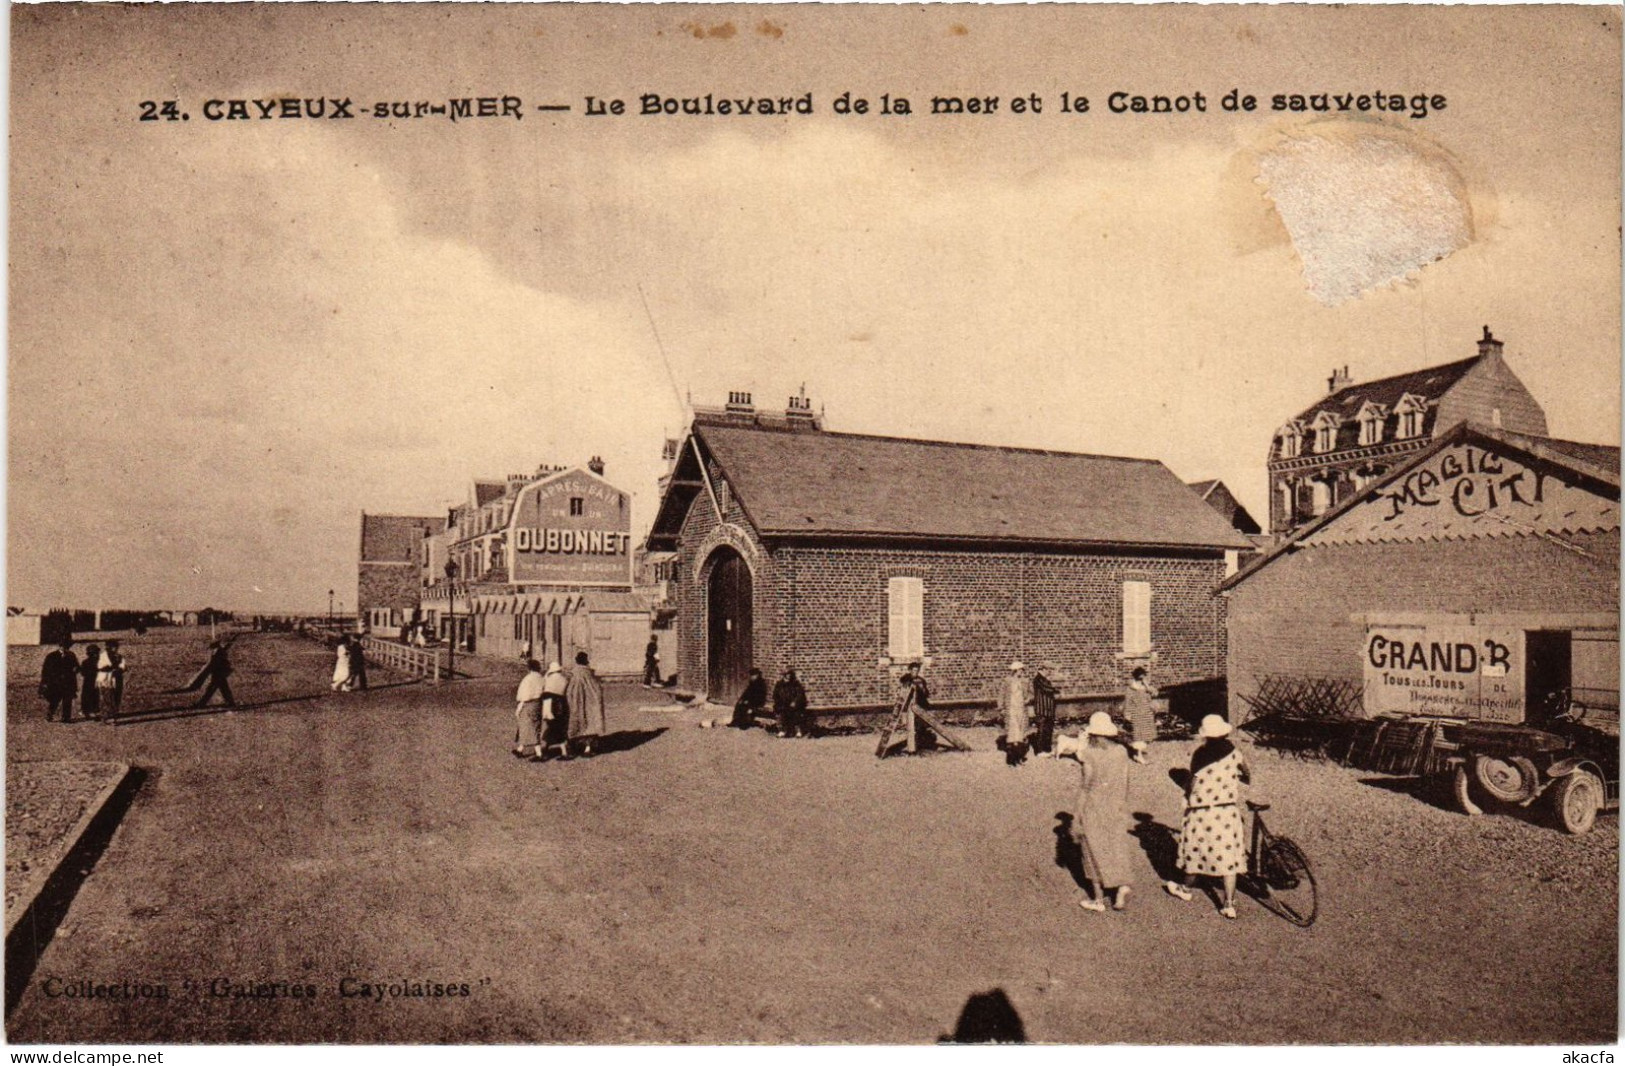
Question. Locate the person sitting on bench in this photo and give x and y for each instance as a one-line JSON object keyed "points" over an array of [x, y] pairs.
{"points": [[751, 701]]}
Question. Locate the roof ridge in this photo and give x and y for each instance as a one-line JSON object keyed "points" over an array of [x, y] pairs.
{"points": [[1453, 364], [969, 445]]}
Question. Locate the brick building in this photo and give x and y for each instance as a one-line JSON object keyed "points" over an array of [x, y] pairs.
{"points": [[542, 562], [1496, 553], [1357, 433], [850, 556], [387, 576]]}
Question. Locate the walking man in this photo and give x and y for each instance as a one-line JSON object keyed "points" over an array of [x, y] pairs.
{"points": [[58, 679], [651, 664], [218, 672]]}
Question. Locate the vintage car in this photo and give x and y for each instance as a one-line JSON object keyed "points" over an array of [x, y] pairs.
{"points": [[1567, 752]]}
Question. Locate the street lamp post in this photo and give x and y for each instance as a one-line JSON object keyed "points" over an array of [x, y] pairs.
{"points": [[329, 608], [451, 619]]}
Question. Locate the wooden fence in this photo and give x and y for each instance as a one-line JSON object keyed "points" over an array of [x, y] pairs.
{"points": [[422, 662]]}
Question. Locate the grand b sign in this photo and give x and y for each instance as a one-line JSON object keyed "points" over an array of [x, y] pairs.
{"points": [[571, 529], [1450, 669]]}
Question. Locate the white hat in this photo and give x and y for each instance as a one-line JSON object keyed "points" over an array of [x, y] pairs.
{"points": [[1213, 727], [1101, 725], [554, 668], [1018, 665]]}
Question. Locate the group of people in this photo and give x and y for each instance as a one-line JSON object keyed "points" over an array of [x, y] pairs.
{"points": [[1212, 840], [558, 714], [1139, 716], [350, 666], [789, 704], [97, 681]]}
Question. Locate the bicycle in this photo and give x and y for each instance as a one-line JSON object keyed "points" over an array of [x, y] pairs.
{"points": [[1278, 874]]}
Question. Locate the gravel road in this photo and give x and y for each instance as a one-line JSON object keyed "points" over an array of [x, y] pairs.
{"points": [[710, 886]]}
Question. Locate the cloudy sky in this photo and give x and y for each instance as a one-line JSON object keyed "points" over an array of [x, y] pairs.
{"points": [[227, 339]]}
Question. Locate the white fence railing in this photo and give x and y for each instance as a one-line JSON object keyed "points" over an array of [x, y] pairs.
{"points": [[424, 662]]}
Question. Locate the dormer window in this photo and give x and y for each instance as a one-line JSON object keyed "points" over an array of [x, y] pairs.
{"points": [[1291, 438], [1371, 418], [1410, 411], [1325, 429]]}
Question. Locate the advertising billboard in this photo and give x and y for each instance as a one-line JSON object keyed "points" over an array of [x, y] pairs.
{"points": [[571, 529], [1450, 668]]}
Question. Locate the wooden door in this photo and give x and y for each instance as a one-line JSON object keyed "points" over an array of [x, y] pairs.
{"points": [[728, 626]]}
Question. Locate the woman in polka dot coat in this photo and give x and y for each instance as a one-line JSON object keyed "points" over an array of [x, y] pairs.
{"points": [[1212, 840]]}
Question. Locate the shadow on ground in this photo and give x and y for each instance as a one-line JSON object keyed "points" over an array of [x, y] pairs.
{"points": [[37, 926], [987, 1018]]}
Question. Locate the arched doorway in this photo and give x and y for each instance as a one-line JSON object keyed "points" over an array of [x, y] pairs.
{"points": [[728, 625]]}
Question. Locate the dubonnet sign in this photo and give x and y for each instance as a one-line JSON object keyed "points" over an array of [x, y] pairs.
{"points": [[1449, 669], [572, 529]]}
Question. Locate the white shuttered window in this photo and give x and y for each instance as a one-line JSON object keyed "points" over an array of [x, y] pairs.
{"points": [[905, 615], [1136, 617]]}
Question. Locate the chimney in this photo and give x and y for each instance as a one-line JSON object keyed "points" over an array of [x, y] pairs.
{"points": [[596, 465], [1488, 346], [1339, 380], [739, 404], [798, 411]]}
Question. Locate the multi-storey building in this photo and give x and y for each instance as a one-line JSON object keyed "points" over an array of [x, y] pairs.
{"points": [[538, 564], [1357, 433]]}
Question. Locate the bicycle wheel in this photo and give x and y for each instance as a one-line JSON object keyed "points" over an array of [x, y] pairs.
{"points": [[1289, 883]]}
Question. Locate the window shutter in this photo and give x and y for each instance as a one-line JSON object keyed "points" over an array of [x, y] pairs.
{"points": [[905, 617], [1136, 617]]}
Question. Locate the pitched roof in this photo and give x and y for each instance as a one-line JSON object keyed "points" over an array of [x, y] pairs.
{"points": [[486, 491], [817, 484], [1429, 383], [1605, 456], [393, 538], [1217, 495], [1596, 463]]}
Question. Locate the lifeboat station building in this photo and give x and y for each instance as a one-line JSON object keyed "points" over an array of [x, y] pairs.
{"points": [[848, 557], [539, 564], [1478, 578]]}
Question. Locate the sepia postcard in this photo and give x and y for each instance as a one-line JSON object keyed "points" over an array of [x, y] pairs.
{"points": [[576, 524]]}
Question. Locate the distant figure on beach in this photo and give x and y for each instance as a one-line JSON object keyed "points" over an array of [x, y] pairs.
{"points": [[343, 679], [585, 694], [89, 694], [218, 671], [59, 680], [751, 702]]}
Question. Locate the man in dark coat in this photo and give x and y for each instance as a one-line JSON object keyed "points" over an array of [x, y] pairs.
{"points": [[651, 663], [790, 706], [751, 701], [218, 672], [59, 681]]}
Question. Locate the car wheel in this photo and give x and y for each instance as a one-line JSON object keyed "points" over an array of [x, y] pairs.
{"points": [[1510, 780], [1576, 800]]}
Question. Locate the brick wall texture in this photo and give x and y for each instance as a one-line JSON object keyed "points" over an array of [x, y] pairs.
{"points": [[1295, 617], [824, 611]]}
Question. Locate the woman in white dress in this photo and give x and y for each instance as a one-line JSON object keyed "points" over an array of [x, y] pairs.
{"points": [[343, 675]]}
